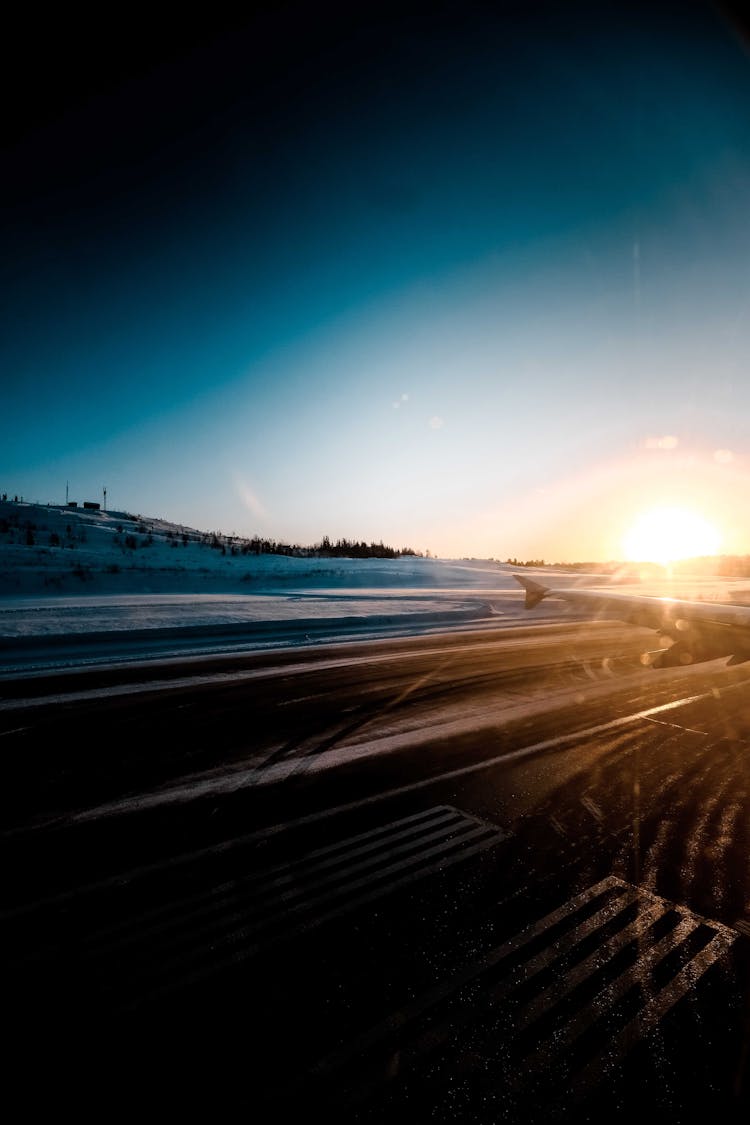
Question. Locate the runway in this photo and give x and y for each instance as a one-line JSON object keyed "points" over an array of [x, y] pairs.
{"points": [[422, 878]]}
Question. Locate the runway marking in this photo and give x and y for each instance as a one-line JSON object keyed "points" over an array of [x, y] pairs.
{"points": [[639, 933], [239, 676], [593, 808], [234, 780], [679, 726], [184, 942], [286, 881], [251, 778]]}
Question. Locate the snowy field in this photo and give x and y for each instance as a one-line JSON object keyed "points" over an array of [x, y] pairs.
{"points": [[82, 586], [79, 575], [66, 571]]}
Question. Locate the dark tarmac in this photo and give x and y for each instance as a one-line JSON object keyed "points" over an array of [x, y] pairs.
{"points": [[467, 877]]}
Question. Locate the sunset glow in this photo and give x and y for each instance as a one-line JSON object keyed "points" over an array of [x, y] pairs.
{"points": [[434, 277], [663, 535]]}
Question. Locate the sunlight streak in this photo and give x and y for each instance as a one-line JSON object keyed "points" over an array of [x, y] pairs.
{"points": [[663, 535]]}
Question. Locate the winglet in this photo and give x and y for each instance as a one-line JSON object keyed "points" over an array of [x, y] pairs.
{"points": [[534, 590]]}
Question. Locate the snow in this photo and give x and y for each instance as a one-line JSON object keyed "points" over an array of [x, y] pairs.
{"points": [[76, 573], [90, 599], [120, 578]]}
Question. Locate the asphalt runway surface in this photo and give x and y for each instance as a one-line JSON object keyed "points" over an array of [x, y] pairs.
{"points": [[470, 877]]}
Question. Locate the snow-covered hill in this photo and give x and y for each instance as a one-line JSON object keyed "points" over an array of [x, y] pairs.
{"points": [[53, 549], [67, 571]]}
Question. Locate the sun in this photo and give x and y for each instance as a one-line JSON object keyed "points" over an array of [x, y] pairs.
{"points": [[663, 535]]}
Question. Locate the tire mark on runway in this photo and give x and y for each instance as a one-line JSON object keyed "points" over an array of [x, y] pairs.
{"points": [[429, 690], [696, 832], [216, 783], [628, 805], [719, 850], [694, 829]]}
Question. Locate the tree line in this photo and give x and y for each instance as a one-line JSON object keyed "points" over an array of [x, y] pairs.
{"points": [[259, 545], [326, 548]]}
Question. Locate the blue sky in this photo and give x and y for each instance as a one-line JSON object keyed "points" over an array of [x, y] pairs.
{"points": [[447, 281]]}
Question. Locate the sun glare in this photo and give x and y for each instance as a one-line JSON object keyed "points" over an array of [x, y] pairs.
{"points": [[663, 535]]}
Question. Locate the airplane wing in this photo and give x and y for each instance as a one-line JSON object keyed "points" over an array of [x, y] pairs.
{"points": [[698, 630]]}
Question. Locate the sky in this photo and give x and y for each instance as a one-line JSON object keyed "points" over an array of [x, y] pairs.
{"points": [[467, 278]]}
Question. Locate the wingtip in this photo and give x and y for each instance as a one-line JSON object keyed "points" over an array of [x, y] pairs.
{"points": [[534, 590]]}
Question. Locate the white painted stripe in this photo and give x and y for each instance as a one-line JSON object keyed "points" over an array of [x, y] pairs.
{"points": [[651, 908], [636, 931], [691, 730], [564, 1037], [145, 687], [233, 781], [593, 808], [287, 897], [246, 950], [155, 800], [321, 890], [652, 1012], [415, 822], [527, 971], [281, 874], [393, 1023]]}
